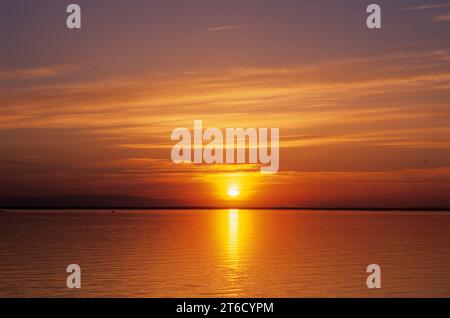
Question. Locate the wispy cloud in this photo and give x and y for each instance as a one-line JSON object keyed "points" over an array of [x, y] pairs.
{"points": [[427, 7], [442, 18], [316, 91], [40, 72], [237, 27]]}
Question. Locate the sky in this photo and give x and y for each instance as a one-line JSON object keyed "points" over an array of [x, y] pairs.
{"points": [[364, 115]]}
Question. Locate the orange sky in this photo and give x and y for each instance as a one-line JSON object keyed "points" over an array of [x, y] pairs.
{"points": [[359, 126]]}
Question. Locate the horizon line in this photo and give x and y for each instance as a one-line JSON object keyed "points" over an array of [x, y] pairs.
{"points": [[431, 209]]}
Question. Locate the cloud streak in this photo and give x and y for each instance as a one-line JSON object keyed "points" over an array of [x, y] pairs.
{"points": [[37, 73], [427, 7], [236, 27], [442, 18]]}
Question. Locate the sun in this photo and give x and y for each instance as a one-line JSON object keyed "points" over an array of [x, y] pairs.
{"points": [[233, 192]]}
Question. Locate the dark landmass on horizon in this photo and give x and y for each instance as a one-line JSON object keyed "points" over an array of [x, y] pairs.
{"points": [[105, 202]]}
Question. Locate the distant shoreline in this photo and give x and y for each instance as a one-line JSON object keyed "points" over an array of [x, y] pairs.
{"points": [[6, 209]]}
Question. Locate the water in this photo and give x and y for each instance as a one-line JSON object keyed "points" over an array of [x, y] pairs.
{"points": [[224, 253]]}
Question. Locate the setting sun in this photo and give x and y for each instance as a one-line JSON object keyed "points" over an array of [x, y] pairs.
{"points": [[233, 192]]}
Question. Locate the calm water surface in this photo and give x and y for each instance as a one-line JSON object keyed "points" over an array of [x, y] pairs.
{"points": [[229, 253]]}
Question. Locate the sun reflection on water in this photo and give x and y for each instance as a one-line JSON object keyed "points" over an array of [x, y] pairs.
{"points": [[233, 233], [234, 230]]}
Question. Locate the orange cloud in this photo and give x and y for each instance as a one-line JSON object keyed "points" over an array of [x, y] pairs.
{"points": [[442, 18], [36, 73]]}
